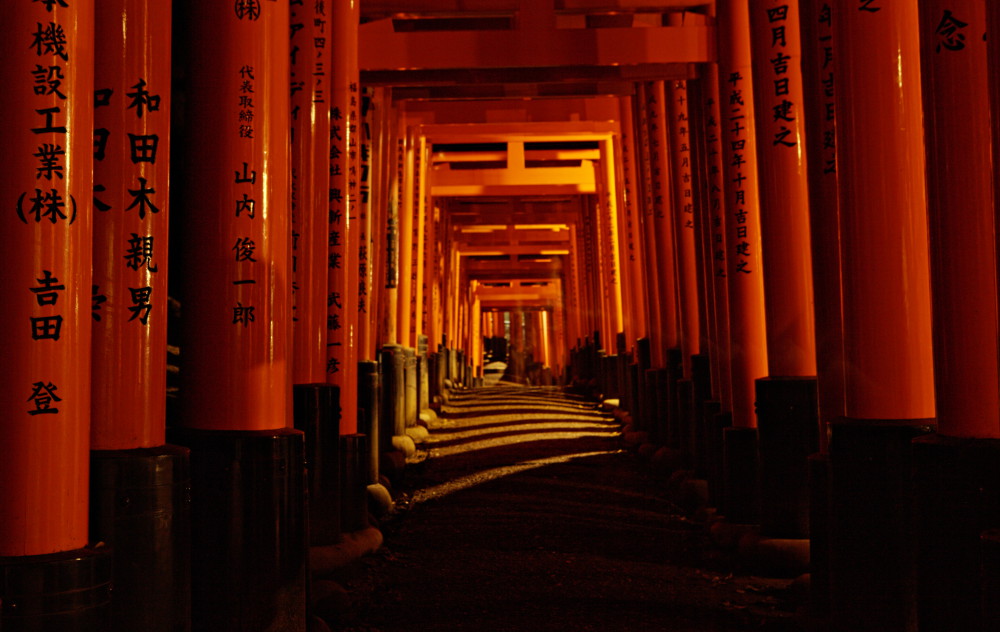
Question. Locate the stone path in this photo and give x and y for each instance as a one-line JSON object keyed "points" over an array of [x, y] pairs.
{"points": [[529, 514]]}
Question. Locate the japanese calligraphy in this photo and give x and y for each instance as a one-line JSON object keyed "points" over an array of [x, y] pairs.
{"points": [[42, 396], [140, 252], [949, 33], [142, 100], [247, 9], [140, 303]]}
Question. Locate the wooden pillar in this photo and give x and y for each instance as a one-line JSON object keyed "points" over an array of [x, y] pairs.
{"points": [[433, 275], [644, 157], [342, 297], [381, 158], [132, 153], [367, 301], [407, 212], [235, 273], [886, 307], [787, 410], [418, 275], [958, 469], [744, 272], [719, 285], [310, 112], [962, 218], [613, 244], [818, 59], [393, 181], [663, 218], [634, 247], [45, 269], [128, 430], [784, 190], [676, 97]]}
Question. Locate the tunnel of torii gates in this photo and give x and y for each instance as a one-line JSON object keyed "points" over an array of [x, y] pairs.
{"points": [[734, 218]]}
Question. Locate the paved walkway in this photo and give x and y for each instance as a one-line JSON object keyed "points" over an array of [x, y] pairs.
{"points": [[528, 514]]}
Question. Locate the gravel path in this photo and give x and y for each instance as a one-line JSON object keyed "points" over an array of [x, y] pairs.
{"points": [[528, 514]]}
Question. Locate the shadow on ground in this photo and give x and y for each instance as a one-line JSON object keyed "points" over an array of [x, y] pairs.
{"points": [[514, 523]]}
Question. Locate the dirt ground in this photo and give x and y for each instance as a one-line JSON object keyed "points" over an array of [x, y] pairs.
{"points": [[526, 512]]}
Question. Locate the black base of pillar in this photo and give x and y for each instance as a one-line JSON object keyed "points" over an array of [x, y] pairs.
{"points": [[410, 386], [788, 432], [621, 370], [683, 426], [656, 393], [654, 420], [740, 471], [701, 377], [354, 482], [717, 425], [440, 371], [140, 505], [56, 592], [317, 415], [369, 400], [819, 535], [957, 495], [872, 566], [248, 535], [673, 373], [710, 409], [635, 393], [989, 547], [393, 409]]}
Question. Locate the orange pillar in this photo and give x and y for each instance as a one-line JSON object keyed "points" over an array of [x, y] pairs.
{"points": [[784, 189], [233, 199], [45, 259], [745, 274], [886, 306], [132, 159], [644, 158], [676, 96], [787, 410], [367, 310], [818, 59], [881, 169], [663, 217], [634, 247], [719, 285], [624, 264], [587, 271], [393, 177], [237, 269], [128, 364], [433, 275], [378, 156], [573, 296], [610, 249], [418, 326], [962, 219], [615, 255], [310, 111], [962, 226], [747, 332], [404, 313], [475, 357], [342, 300], [545, 337]]}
